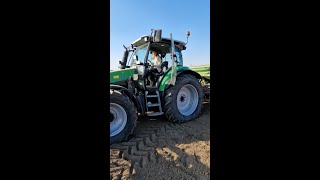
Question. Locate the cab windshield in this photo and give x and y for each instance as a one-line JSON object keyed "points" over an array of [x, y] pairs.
{"points": [[165, 53], [138, 55]]}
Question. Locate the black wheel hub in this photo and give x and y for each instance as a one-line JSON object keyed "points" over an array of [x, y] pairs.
{"points": [[111, 117], [182, 98]]}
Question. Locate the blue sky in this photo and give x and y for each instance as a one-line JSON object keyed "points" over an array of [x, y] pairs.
{"points": [[130, 19]]}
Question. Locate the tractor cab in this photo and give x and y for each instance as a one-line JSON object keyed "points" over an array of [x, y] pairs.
{"points": [[143, 50]]}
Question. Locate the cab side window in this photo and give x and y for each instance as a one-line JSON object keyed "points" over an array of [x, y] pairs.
{"points": [[178, 57]]}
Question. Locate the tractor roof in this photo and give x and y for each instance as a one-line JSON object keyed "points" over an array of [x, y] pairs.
{"points": [[142, 40]]}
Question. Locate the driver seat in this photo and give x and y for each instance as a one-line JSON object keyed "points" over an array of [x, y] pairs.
{"points": [[158, 71]]}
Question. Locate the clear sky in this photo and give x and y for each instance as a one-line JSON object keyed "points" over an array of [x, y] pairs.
{"points": [[130, 19]]}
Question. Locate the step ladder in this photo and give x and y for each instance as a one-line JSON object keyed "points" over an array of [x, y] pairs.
{"points": [[153, 95]]}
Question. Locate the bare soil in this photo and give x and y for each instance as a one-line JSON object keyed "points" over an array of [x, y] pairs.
{"points": [[164, 150]]}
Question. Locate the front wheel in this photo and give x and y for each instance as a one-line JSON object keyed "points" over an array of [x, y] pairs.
{"points": [[183, 101], [123, 117]]}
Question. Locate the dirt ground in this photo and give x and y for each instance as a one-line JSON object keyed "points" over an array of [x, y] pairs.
{"points": [[163, 150]]}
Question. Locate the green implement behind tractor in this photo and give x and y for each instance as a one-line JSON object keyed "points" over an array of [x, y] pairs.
{"points": [[143, 87], [204, 71]]}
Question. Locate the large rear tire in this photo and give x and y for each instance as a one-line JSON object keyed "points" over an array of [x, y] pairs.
{"points": [[123, 117], [183, 101]]}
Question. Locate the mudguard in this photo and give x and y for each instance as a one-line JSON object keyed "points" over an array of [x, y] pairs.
{"points": [[164, 84]]}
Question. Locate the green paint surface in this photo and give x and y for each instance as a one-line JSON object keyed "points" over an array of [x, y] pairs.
{"points": [[167, 77], [121, 74]]}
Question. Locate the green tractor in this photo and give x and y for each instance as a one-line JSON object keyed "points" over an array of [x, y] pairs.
{"points": [[141, 87]]}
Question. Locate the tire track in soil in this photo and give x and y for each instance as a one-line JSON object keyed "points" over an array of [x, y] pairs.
{"points": [[152, 142]]}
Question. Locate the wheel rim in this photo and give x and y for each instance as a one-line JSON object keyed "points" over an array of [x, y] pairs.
{"points": [[118, 119], [187, 99]]}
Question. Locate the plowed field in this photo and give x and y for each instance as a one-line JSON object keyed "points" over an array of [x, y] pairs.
{"points": [[161, 149]]}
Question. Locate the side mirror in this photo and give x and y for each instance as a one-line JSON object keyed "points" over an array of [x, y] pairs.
{"points": [[121, 65], [157, 35]]}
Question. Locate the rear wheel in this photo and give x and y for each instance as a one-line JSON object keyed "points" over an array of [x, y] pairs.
{"points": [[183, 101], [123, 117]]}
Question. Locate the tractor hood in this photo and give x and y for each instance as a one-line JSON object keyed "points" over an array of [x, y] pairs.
{"points": [[121, 74]]}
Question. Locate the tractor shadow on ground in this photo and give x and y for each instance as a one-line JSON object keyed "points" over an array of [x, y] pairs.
{"points": [[160, 149]]}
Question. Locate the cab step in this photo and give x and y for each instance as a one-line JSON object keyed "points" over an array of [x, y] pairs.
{"points": [[153, 105], [153, 94], [154, 113]]}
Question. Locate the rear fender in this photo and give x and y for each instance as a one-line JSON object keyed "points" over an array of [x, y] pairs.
{"points": [[164, 84]]}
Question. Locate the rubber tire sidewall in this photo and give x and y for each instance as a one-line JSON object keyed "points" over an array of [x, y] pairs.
{"points": [[128, 106]]}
